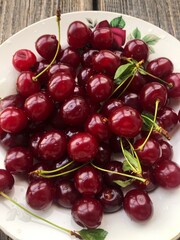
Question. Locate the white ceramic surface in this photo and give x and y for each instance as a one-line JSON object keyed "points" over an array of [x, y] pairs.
{"points": [[165, 223]]}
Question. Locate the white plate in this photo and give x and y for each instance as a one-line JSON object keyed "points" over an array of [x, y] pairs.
{"points": [[165, 223]]}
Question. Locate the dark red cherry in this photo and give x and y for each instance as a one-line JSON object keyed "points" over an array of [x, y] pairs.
{"points": [[39, 166], [87, 212], [132, 100], [23, 60], [103, 155], [40, 194], [167, 150], [70, 57], [61, 67], [111, 105], [20, 139], [102, 38], [82, 147], [137, 83], [6, 180], [87, 58], [13, 120], [138, 205], [14, 100], [174, 90], [83, 76]]}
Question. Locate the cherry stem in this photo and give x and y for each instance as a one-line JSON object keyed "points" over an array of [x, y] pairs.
{"points": [[74, 233], [58, 18], [151, 129], [118, 173]]}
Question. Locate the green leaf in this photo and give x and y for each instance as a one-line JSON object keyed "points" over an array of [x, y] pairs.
{"points": [[93, 234], [147, 120], [124, 183], [133, 161], [151, 49], [142, 71], [118, 22], [89, 20], [124, 72], [126, 167], [136, 33], [151, 39]]}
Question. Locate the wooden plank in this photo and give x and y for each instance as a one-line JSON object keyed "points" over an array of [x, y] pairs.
{"points": [[162, 13], [17, 14]]}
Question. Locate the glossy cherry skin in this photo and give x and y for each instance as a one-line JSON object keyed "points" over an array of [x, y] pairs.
{"points": [[87, 212], [102, 38], [18, 160], [88, 180], [103, 155], [78, 34], [125, 122], [61, 86], [25, 84], [13, 100], [111, 199], [97, 125], [23, 60], [70, 56], [150, 153], [66, 193], [87, 58], [61, 67], [111, 105], [106, 62], [9, 140], [46, 46], [132, 100], [38, 106], [6, 180], [167, 150], [150, 93], [167, 174], [40, 194], [138, 205], [13, 120], [99, 87], [137, 83], [174, 79], [74, 111], [136, 49], [82, 147], [160, 67], [52, 146], [39, 166], [83, 76]]}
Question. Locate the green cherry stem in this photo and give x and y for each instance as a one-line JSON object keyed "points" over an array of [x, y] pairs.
{"points": [[72, 233]]}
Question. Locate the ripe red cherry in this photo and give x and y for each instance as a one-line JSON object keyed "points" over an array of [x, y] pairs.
{"points": [[87, 58], [40, 194], [82, 147], [137, 83], [132, 100], [99, 87], [52, 146], [18, 160], [83, 76], [102, 38], [6, 180], [70, 56], [125, 121], [174, 79], [13, 120], [88, 180], [103, 155], [61, 86], [46, 46], [136, 49], [78, 34], [25, 84], [87, 212], [23, 60], [167, 174], [20, 139], [38, 106], [150, 93], [167, 150], [111, 105], [138, 205], [13, 100], [61, 67]]}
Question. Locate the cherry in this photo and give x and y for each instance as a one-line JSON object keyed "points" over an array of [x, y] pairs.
{"points": [[137, 83], [43, 77], [23, 60], [87, 58], [61, 67], [52, 146], [103, 155], [150, 153], [87, 212], [46, 46], [74, 111], [137, 204], [83, 76], [13, 120], [88, 180], [39, 166], [102, 38], [18, 160], [97, 125], [136, 49], [79, 91], [106, 62], [34, 142], [70, 57], [99, 87], [167, 174], [38, 106], [174, 79], [125, 121], [160, 67], [66, 193], [82, 147], [61, 86], [150, 93], [40, 194], [13, 100], [25, 85], [111, 199], [78, 34], [167, 150], [132, 100], [6, 180], [20, 139], [111, 105]]}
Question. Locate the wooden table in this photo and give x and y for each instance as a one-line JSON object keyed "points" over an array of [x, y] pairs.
{"points": [[17, 14]]}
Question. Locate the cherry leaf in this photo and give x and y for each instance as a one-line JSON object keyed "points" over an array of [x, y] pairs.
{"points": [[126, 167], [136, 33], [93, 234], [124, 72], [118, 22], [133, 161], [150, 39], [124, 183]]}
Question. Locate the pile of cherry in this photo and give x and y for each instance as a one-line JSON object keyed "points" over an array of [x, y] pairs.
{"points": [[64, 128]]}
